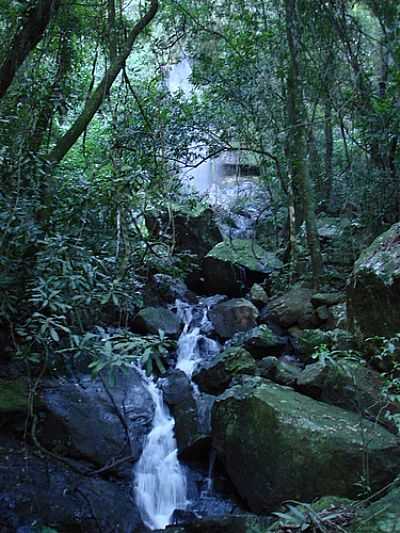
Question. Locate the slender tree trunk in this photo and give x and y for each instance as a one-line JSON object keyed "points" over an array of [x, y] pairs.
{"points": [[328, 153], [96, 99], [297, 140], [37, 19]]}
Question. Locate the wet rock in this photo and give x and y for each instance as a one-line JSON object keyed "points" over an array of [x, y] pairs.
{"points": [[260, 341], [154, 319], [293, 308], [39, 491], [244, 523], [373, 290], [258, 295], [232, 266], [278, 445], [97, 420], [215, 376], [233, 316], [286, 373], [176, 387], [163, 289]]}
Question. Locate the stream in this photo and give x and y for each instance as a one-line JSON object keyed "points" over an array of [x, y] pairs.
{"points": [[160, 481]]}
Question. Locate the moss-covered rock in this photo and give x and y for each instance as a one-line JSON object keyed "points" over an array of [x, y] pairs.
{"points": [[13, 396], [215, 376], [278, 445], [260, 341], [373, 290], [232, 266]]}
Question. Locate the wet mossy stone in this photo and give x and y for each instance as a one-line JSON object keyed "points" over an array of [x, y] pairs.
{"points": [[13, 396], [260, 341], [279, 445], [215, 376], [373, 290], [154, 319], [233, 266]]}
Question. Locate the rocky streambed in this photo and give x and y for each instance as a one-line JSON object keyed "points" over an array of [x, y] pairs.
{"points": [[249, 421]]}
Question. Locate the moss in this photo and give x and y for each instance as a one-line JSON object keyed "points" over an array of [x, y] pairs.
{"points": [[13, 396], [246, 254]]}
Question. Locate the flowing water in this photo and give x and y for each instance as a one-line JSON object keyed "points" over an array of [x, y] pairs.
{"points": [[160, 481]]}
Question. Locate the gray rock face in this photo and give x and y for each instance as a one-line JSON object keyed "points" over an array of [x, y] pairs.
{"points": [[39, 491], [233, 316], [278, 445], [96, 422], [232, 266], [215, 376], [153, 319], [373, 290]]}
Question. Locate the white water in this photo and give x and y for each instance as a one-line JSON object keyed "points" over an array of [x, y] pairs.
{"points": [[160, 482]]}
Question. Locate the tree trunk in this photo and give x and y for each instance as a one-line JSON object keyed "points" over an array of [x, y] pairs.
{"points": [[37, 19], [297, 139], [94, 102]]}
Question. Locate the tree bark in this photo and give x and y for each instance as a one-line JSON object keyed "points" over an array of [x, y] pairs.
{"points": [[297, 139], [94, 102], [37, 19]]}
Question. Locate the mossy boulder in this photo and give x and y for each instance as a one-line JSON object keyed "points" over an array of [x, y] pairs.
{"points": [[233, 316], [233, 266], [348, 384], [260, 341], [154, 319], [278, 445], [373, 290], [215, 376], [13, 396]]}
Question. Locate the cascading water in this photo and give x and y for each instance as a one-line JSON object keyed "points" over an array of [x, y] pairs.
{"points": [[160, 482]]}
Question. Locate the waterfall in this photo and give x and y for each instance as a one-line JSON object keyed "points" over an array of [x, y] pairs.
{"points": [[160, 482]]}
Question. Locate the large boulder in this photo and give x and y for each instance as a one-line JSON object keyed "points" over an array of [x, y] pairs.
{"points": [[215, 375], [260, 341], [38, 491], [154, 319], [233, 266], [192, 229], [373, 290], [348, 384], [292, 308], [162, 289], [233, 316], [278, 445], [96, 420]]}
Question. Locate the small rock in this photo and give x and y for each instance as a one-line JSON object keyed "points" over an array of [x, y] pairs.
{"points": [[260, 341], [329, 298], [258, 295], [154, 319]]}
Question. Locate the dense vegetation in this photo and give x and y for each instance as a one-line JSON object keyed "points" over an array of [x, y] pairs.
{"points": [[92, 141]]}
